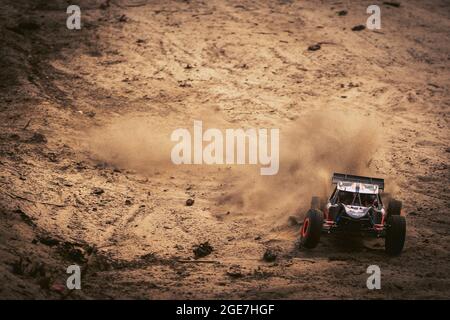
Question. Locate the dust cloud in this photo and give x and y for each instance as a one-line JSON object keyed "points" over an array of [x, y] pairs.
{"points": [[311, 149], [136, 143]]}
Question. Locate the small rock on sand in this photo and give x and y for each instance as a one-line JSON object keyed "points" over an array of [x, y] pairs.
{"points": [[392, 4], [97, 191], [359, 27], [270, 255], [314, 47], [202, 250]]}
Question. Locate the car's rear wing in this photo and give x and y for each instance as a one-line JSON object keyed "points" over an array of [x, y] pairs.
{"points": [[360, 179]]}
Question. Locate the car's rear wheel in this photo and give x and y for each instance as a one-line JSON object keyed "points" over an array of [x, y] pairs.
{"points": [[394, 208], [395, 235], [311, 229]]}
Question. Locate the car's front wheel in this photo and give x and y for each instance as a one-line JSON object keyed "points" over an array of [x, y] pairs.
{"points": [[311, 229], [395, 235]]}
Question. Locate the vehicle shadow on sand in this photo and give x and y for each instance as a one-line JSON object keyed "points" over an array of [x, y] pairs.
{"points": [[344, 247]]}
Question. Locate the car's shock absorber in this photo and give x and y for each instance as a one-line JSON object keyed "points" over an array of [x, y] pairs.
{"points": [[376, 216], [376, 219], [338, 213], [371, 217]]}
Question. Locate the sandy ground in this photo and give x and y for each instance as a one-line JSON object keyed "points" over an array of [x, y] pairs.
{"points": [[85, 173]]}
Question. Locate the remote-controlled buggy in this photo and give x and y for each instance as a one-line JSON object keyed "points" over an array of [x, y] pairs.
{"points": [[356, 207]]}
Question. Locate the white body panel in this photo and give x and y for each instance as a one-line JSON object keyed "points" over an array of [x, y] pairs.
{"points": [[358, 187]]}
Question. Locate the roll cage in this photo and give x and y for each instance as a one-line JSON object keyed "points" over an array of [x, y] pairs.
{"points": [[353, 196], [355, 199]]}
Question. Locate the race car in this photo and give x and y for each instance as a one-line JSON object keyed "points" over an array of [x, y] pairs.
{"points": [[355, 207]]}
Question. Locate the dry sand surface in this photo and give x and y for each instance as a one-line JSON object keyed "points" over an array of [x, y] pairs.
{"points": [[85, 171]]}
